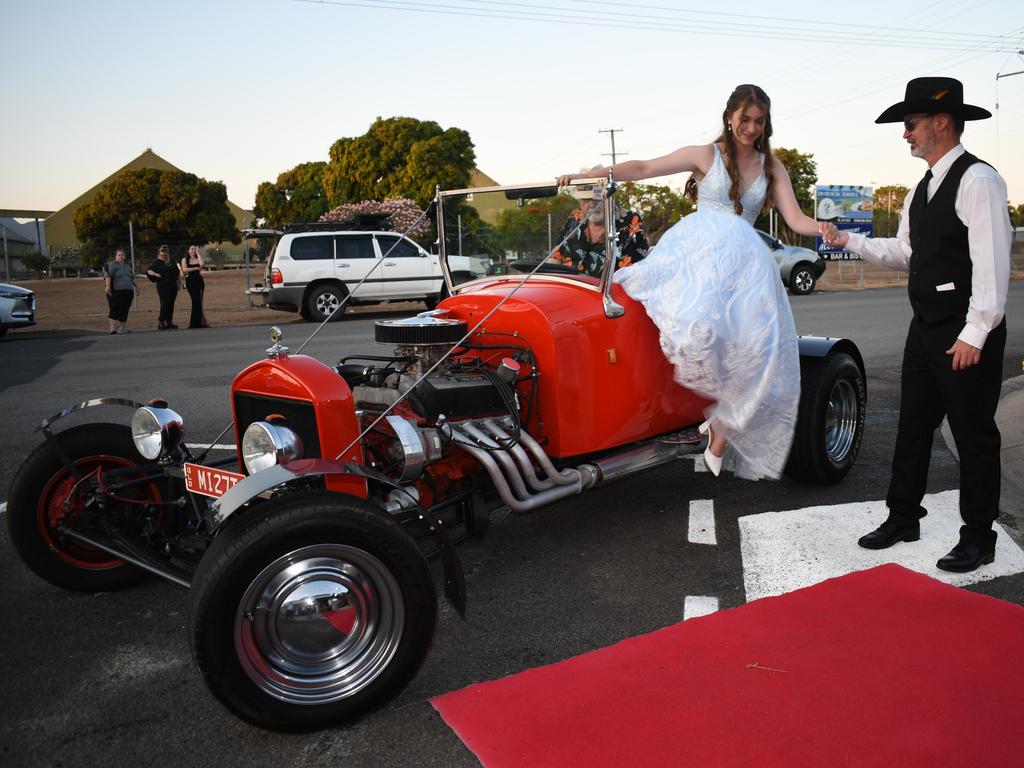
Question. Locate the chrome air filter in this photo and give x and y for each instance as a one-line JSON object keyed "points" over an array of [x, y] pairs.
{"points": [[418, 331]]}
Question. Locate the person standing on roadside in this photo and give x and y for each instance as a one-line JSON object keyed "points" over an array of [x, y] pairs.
{"points": [[192, 269], [954, 240], [119, 286], [165, 275]]}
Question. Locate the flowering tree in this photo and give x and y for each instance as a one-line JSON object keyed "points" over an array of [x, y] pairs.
{"points": [[400, 214]]}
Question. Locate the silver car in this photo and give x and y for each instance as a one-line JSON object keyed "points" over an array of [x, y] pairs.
{"points": [[799, 268], [17, 307]]}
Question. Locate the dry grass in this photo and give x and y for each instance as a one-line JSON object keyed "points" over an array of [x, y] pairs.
{"points": [[79, 304]]}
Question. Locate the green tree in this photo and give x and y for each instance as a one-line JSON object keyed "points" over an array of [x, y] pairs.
{"points": [[659, 206], [803, 175], [398, 157], [164, 206], [524, 230], [1016, 214], [886, 207], [36, 262], [297, 195]]}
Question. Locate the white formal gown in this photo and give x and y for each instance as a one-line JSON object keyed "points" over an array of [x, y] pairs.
{"points": [[713, 289]]}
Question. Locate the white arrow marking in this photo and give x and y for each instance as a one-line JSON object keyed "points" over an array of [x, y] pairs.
{"points": [[783, 551]]}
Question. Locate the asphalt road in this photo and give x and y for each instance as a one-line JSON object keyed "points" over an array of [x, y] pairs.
{"points": [[107, 679]]}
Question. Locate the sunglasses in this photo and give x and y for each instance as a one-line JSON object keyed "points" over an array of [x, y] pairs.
{"points": [[910, 125]]}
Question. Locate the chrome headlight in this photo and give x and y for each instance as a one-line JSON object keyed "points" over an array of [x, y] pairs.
{"points": [[156, 429], [265, 444]]}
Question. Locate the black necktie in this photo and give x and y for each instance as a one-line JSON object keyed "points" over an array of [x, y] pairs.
{"points": [[925, 181]]}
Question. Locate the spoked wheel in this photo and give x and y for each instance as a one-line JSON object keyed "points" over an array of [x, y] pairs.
{"points": [[311, 612], [47, 497], [830, 421], [802, 280]]}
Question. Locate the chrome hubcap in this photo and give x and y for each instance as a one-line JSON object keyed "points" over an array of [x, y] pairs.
{"points": [[327, 303], [841, 420], [803, 280], [319, 624]]}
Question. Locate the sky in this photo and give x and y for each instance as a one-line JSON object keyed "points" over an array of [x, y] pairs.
{"points": [[242, 90]]}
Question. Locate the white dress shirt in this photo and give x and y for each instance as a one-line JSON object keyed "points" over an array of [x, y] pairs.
{"points": [[981, 206]]}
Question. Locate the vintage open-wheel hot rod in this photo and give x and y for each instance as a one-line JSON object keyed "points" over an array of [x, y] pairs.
{"points": [[306, 551]]}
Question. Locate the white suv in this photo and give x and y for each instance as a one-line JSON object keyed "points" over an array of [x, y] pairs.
{"points": [[312, 272]]}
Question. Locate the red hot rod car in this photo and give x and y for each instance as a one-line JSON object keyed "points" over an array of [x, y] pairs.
{"points": [[306, 552]]}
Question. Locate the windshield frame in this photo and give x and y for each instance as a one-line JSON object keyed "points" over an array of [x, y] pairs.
{"points": [[602, 188]]}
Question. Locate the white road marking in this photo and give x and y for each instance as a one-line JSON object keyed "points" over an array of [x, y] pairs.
{"points": [[3, 507], [702, 522], [216, 446], [699, 605], [699, 464], [783, 551]]}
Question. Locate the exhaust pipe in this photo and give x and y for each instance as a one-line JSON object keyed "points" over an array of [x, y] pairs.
{"points": [[511, 469]]}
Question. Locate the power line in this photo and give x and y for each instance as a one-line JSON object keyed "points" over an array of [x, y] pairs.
{"points": [[879, 37]]}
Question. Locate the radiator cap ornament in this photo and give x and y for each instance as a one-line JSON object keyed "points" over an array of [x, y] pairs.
{"points": [[277, 349]]}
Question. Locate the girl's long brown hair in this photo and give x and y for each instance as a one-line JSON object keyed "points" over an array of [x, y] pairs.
{"points": [[742, 97]]}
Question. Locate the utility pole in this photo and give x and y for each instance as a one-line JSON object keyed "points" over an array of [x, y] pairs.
{"points": [[612, 132], [998, 78]]}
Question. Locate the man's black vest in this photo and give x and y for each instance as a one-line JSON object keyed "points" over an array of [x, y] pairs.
{"points": [[941, 255]]}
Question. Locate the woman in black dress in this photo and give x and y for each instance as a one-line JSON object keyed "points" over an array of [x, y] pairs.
{"points": [[192, 269]]}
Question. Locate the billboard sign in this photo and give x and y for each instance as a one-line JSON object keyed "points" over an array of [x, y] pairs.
{"points": [[849, 208]]}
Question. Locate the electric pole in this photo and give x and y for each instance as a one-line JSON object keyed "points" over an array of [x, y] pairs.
{"points": [[998, 78], [612, 132]]}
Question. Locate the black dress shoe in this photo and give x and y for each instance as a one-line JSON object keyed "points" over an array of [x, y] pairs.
{"points": [[889, 533], [966, 557]]}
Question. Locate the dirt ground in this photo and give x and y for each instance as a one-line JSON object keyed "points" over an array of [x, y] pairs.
{"points": [[78, 304]]}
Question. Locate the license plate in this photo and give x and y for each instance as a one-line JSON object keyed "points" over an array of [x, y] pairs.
{"points": [[209, 481]]}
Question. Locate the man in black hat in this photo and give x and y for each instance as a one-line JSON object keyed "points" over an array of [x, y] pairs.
{"points": [[954, 240]]}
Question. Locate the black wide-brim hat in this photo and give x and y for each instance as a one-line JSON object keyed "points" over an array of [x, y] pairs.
{"points": [[932, 96]]}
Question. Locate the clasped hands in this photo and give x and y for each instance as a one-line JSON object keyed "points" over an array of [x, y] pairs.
{"points": [[832, 236]]}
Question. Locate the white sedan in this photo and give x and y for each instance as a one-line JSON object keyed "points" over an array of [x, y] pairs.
{"points": [[17, 307]]}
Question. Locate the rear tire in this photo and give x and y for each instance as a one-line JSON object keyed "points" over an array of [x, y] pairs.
{"points": [[802, 280], [324, 301], [311, 612], [45, 495], [830, 420]]}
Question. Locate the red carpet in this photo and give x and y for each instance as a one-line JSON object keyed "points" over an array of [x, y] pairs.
{"points": [[885, 667]]}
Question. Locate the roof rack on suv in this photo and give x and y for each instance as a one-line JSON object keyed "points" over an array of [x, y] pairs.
{"points": [[365, 221]]}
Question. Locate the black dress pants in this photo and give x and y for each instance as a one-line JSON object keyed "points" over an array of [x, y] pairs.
{"points": [[931, 389], [168, 294]]}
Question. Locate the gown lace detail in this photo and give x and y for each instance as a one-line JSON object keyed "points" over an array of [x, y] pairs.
{"points": [[712, 287]]}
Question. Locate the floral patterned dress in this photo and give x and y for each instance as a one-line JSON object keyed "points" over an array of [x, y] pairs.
{"points": [[588, 258], [712, 287]]}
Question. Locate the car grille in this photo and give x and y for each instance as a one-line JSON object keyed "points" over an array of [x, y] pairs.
{"points": [[300, 417]]}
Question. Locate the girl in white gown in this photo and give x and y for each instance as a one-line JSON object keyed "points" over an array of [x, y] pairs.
{"points": [[713, 289]]}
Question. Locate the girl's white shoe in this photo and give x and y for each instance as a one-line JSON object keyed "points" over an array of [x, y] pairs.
{"points": [[714, 463]]}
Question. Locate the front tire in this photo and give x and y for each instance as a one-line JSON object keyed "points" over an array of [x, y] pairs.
{"points": [[311, 612], [830, 420], [46, 496], [802, 280], [433, 301]]}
